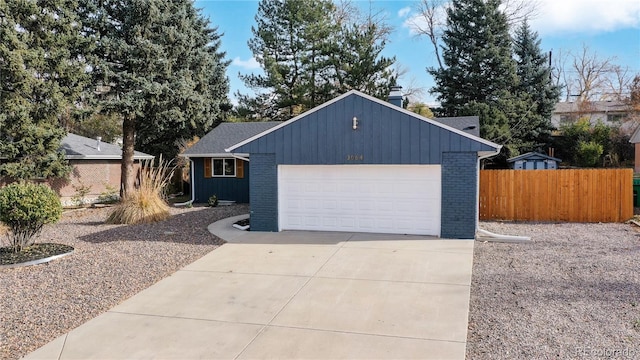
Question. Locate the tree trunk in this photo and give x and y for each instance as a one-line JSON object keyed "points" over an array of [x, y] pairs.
{"points": [[127, 174]]}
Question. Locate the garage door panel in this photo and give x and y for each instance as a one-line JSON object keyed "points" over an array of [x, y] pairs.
{"points": [[363, 198]]}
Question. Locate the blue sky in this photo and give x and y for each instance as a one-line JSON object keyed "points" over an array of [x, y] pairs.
{"points": [[610, 28]]}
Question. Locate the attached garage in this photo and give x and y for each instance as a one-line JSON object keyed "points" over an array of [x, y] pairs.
{"points": [[396, 199], [360, 164]]}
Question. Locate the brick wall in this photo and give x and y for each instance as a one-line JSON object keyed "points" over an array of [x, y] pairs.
{"points": [[459, 208], [96, 175], [263, 191]]}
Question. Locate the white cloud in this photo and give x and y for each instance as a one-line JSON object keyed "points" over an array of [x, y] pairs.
{"points": [[404, 11], [416, 21], [586, 16], [250, 64]]}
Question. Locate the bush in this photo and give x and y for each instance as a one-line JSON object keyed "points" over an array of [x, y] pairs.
{"points": [[589, 153], [25, 208], [145, 204], [213, 200]]}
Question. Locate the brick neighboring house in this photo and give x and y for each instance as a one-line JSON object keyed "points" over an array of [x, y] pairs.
{"points": [[95, 166]]}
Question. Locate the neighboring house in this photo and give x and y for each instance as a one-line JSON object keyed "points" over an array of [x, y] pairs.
{"points": [[95, 168], [534, 161], [360, 164], [635, 140], [611, 113], [215, 171]]}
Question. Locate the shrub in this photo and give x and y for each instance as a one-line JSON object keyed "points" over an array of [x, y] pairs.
{"points": [[588, 153], [146, 203], [109, 195], [213, 200], [25, 208]]}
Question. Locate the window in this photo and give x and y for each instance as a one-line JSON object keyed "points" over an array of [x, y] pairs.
{"points": [[614, 117], [224, 167]]}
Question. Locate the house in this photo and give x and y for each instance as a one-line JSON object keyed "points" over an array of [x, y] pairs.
{"points": [[635, 140], [533, 161], [217, 172], [95, 169], [357, 163], [611, 113], [213, 167]]}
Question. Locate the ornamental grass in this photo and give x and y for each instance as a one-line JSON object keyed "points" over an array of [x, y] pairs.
{"points": [[147, 202]]}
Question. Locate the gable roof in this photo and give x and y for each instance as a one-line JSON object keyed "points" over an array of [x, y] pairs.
{"points": [[373, 99], [214, 143], [78, 147], [533, 156]]}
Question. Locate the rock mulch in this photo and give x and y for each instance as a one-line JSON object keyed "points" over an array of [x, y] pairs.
{"points": [[110, 264], [572, 293]]}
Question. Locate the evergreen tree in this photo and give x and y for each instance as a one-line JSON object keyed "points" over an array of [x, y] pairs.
{"points": [[478, 65], [309, 54], [290, 42], [358, 61], [161, 63], [42, 75], [534, 73]]}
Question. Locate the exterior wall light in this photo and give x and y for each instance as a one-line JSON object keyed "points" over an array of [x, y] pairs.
{"points": [[355, 123]]}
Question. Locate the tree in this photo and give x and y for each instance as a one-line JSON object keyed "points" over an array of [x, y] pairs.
{"points": [[476, 55], [534, 71], [430, 21], [165, 75], [310, 51], [42, 76]]}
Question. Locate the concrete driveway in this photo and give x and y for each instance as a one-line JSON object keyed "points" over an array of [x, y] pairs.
{"points": [[293, 295]]}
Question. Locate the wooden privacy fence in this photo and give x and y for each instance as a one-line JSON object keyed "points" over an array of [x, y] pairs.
{"points": [[584, 195]]}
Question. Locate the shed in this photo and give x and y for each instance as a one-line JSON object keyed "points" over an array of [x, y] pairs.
{"points": [[534, 161], [360, 164]]}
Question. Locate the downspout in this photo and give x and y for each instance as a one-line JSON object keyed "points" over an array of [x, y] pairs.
{"points": [[484, 234], [193, 186]]}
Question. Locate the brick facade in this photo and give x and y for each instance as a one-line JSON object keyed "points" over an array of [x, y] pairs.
{"points": [[263, 191], [459, 186]]}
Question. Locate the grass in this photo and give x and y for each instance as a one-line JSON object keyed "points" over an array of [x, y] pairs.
{"points": [[147, 203]]}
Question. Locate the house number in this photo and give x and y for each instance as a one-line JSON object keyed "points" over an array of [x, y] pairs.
{"points": [[355, 157]]}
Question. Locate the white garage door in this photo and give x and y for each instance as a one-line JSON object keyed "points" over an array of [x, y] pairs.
{"points": [[394, 199]]}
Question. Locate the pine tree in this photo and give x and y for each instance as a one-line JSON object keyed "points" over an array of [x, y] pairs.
{"points": [[534, 72], [478, 66], [309, 54], [161, 63], [42, 75]]}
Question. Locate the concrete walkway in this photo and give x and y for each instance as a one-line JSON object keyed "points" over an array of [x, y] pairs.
{"points": [[293, 295]]}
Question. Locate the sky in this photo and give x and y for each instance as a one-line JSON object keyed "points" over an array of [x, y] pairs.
{"points": [[609, 28]]}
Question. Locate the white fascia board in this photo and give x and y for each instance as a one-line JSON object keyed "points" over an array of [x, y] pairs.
{"points": [[376, 100], [213, 155], [285, 123], [106, 157]]}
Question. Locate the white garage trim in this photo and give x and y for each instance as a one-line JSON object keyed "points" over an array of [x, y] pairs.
{"points": [[395, 199]]}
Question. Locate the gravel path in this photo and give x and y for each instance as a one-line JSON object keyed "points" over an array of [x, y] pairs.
{"points": [[573, 293], [110, 264]]}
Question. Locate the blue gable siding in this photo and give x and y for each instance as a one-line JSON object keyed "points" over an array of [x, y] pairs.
{"points": [[226, 188], [384, 136]]}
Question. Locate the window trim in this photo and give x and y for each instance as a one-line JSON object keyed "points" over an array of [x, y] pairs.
{"points": [[224, 166]]}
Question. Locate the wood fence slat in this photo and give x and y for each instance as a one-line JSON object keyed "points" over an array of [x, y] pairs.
{"points": [[574, 195]]}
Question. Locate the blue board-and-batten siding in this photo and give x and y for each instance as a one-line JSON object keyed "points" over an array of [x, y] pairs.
{"points": [[383, 136], [226, 188]]}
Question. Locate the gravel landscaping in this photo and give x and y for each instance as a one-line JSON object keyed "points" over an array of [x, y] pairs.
{"points": [[572, 293], [110, 264]]}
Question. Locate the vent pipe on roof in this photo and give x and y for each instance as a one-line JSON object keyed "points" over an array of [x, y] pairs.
{"points": [[395, 96], [98, 138]]}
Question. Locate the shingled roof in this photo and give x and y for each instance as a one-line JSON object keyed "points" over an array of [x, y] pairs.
{"points": [[226, 135], [76, 147]]}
